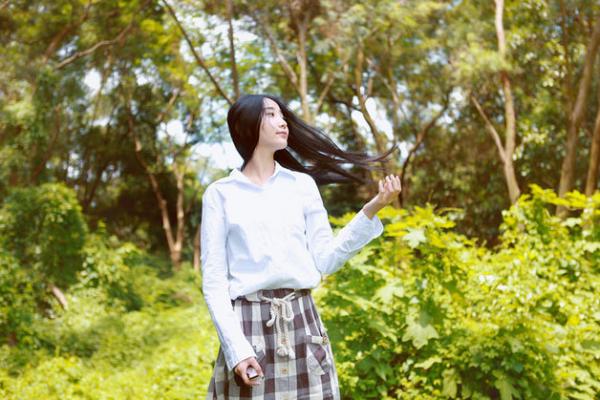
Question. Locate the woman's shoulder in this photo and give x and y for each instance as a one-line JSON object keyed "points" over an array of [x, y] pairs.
{"points": [[215, 188], [307, 186], [218, 184], [304, 178]]}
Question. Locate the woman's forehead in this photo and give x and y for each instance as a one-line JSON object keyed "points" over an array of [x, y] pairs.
{"points": [[270, 104]]}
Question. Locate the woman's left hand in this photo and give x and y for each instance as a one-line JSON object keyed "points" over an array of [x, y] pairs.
{"points": [[389, 188]]}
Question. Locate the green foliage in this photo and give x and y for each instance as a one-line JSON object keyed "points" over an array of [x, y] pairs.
{"points": [[100, 349], [428, 313], [106, 266], [423, 313], [17, 305], [44, 230], [138, 355]]}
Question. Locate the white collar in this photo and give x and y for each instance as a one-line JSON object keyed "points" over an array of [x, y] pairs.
{"points": [[237, 175]]}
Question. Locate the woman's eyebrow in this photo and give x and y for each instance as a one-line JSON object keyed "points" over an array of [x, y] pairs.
{"points": [[272, 109]]}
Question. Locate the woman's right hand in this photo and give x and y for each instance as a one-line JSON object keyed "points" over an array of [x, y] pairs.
{"points": [[242, 366]]}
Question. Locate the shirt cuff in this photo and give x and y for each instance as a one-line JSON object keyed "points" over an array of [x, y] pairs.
{"points": [[372, 225], [363, 229], [232, 358]]}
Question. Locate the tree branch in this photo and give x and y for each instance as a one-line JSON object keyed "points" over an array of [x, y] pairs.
{"points": [[234, 72], [95, 47], [490, 128], [282, 61], [161, 117], [58, 38], [420, 137], [197, 57], [363, 104], [162, 203]]}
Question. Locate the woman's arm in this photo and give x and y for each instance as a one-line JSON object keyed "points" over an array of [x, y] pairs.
{"points": [[215, 285], [330, 252]]}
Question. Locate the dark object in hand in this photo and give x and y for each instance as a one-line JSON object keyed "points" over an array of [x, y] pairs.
{"points": [[250, 371], [252, 374]]}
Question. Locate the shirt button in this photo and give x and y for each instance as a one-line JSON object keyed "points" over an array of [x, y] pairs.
{"points": [[284, 371]]}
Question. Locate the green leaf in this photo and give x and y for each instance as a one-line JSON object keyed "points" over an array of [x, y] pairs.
{"points": [[507, 390], [387, 292], [419, 334], [429, 362], [450, 385], [379, 325], [414, 237]]}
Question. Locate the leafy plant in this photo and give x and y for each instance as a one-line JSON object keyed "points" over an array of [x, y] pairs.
{"points": [[427, 313]]}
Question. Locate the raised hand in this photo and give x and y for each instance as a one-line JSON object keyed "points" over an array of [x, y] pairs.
{"points": [[389, 188]]}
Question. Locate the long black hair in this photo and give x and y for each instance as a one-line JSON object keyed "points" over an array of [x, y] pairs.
{"points": [[306, 142]]}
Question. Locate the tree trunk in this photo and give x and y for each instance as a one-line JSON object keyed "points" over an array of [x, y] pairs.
{"points": [[303, 83], [234, 73], [362, 101], [509, 173], [592, 174], [174, 244], [178, 244], [567, 173], [509, 112], [59, 295], [378, 137]]}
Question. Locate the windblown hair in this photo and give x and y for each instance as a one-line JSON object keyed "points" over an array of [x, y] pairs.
{"points": [[305, 142]]}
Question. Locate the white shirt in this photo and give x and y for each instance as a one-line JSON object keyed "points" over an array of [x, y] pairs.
{"points": [[265, 237]]}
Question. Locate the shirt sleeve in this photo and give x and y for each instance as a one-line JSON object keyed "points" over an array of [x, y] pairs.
{"points": [[330, 252], [215, 285]]}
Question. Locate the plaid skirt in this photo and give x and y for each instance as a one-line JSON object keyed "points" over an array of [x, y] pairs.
{"points": [[309, 374]]}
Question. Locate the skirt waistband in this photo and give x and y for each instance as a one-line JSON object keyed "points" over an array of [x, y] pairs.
{"points": [[280, 292]]}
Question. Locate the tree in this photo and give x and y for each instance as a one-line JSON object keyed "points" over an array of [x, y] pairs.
{"points": [[577, 114]]}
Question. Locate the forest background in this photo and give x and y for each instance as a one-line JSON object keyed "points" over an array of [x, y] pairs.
{"points": [[485, 282]]}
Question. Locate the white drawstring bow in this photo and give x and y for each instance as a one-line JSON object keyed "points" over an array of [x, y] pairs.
{"points": [[282, 314]]}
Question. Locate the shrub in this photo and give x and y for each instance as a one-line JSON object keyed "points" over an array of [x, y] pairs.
{"points": [[43, 228], [428, 313], [17, 306], [42, 232]]}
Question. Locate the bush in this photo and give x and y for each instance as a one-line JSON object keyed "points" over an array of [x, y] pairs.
{"points": [[108, 266], [427, 313], [42, 232], [17, 306], [99, 350], [130, 277], [43, 228]]}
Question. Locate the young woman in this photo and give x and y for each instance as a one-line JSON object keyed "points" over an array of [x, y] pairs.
{"points": [[266, 242]]}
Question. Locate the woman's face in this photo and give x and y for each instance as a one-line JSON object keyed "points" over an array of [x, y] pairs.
{"points": [[273, 128]]}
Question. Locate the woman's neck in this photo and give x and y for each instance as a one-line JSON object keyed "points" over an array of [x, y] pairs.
{"points": [[258, 170]]}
